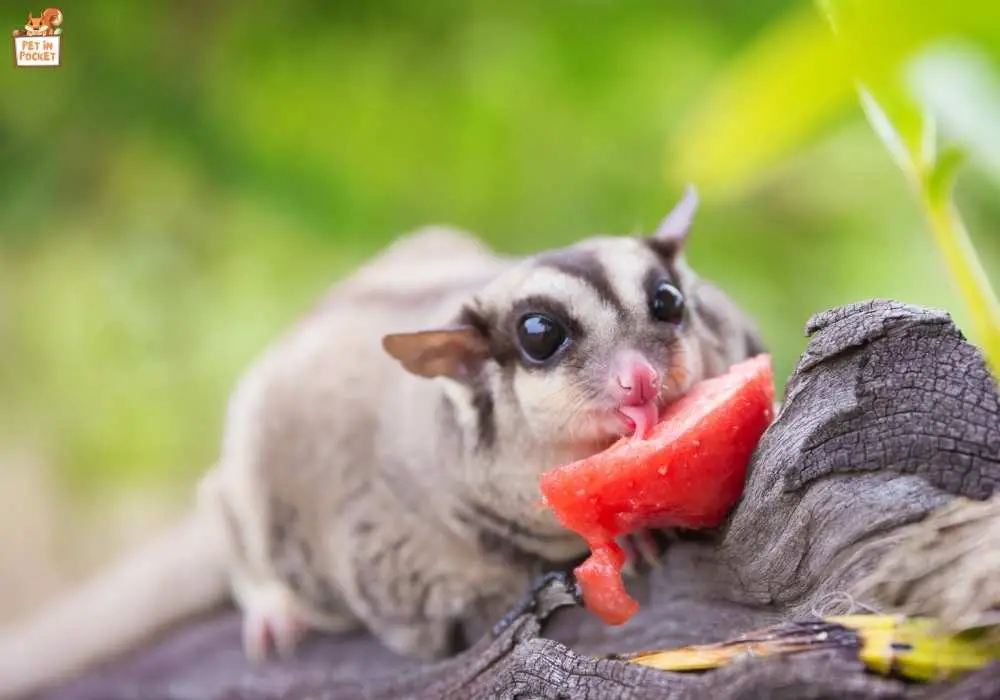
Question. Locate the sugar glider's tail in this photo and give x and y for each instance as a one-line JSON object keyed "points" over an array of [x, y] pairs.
{"points": [[178, 575]]}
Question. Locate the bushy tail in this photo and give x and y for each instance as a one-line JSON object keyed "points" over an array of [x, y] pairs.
{"points": [[178, 575]]}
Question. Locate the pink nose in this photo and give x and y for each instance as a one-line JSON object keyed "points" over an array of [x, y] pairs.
{"points": [[638, 380]]}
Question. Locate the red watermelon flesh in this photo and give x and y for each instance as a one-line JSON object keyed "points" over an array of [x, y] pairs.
{"points": [[688, 473], [603, 589]]}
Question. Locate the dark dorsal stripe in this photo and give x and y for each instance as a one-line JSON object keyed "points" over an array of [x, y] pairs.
{"points": [[482, 402], [665, 250], [585, 266], [482, 396], [666, 253], [501, 348]]}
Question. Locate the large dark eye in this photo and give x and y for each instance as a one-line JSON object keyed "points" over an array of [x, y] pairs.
{"points": [[666, 303], [540, 337]]}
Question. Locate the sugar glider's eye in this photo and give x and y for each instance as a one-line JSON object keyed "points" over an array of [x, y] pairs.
{"points": [[540, 337], [666, 303]]}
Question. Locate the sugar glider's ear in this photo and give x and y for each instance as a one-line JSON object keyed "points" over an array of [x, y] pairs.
{"points": [[672, 233], [454, 351]]}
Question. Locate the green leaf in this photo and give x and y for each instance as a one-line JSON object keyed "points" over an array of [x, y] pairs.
{"points": [[884, 128], [800, 75], [941, 178], [766, 104], [907, 130]]}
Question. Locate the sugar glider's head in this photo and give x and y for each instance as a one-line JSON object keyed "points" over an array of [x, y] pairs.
{"points": [[574, 347]]}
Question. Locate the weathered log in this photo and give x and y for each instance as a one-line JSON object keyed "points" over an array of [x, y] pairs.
{"points": [[888, 416]]}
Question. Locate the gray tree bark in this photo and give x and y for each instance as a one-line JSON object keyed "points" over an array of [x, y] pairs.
{"points": [[889, 415]]}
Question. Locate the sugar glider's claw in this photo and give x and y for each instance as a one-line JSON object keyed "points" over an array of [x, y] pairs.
{"points": [[286, 634], [642, 551], [274, 627], [256, 637], [630, 567], [648, 548]]}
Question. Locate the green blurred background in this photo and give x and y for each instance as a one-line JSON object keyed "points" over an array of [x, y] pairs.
{"points": [[197, 172]]}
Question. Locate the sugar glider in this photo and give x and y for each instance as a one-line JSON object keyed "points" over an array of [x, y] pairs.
{"points": [[380, 461]]}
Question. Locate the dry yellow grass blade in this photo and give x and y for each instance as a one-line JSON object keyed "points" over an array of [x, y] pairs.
{"points": [[912, 648], [785, 638]]}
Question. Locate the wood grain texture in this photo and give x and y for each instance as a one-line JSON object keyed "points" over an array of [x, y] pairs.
{"points": [[888, 416]]}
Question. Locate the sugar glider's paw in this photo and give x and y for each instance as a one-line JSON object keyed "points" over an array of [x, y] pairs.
{"points": [[642, 550], [271, 623]]}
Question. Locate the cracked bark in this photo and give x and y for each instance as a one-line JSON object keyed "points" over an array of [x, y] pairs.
{"points": [[888, 416]]}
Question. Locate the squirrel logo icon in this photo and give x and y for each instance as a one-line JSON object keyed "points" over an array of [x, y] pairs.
{"points": [[39, 42], [46, 25]]}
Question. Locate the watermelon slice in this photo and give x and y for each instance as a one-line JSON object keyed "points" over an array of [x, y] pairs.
{"points": [[688, 473]]}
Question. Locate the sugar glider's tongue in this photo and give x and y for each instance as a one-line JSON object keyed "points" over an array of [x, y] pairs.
{"points": [[635, 385], [645, 417]]}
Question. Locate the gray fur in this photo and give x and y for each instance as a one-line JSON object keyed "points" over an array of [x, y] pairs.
{"points": [[455, 458], [354, 493]]}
